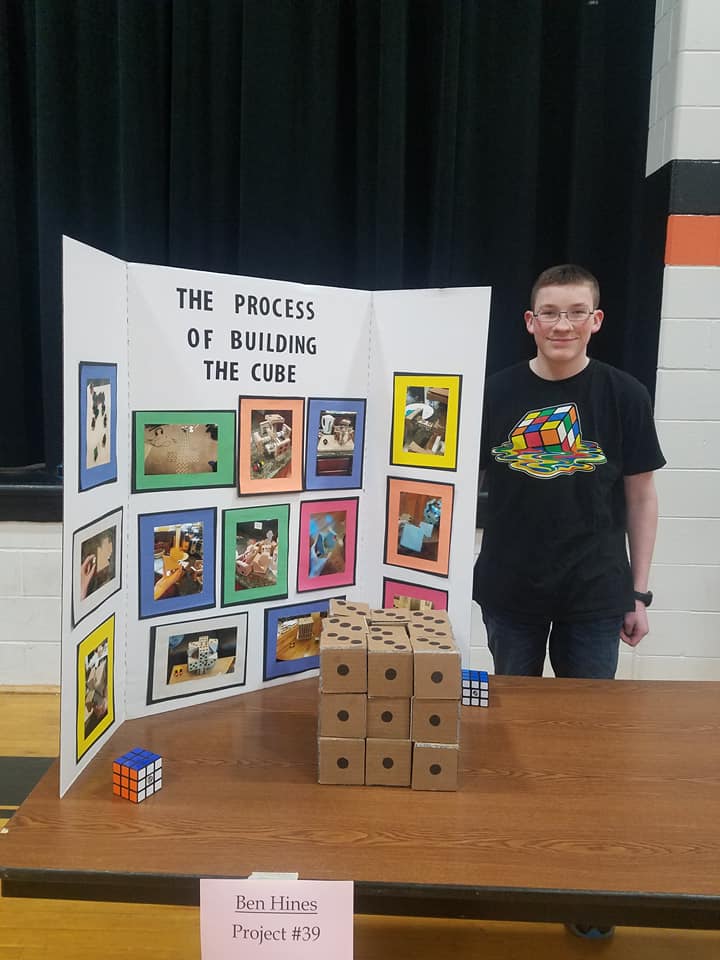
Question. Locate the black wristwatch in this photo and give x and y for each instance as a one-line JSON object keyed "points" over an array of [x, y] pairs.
{"points": [[645, 598]]}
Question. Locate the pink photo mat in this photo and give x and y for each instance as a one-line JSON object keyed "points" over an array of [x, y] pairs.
{"points": [[327, 581]]}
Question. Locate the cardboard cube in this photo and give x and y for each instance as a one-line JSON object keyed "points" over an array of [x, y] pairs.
{"points": [[137, 775], [388, 718], [387, 762], [437, 630], [435, 721], [390, 663], [341, 761], [343, 655], [553, 429], [342, 715], [202, 654], [342, 607], [388, 615], [475, 688], [437, 668], [435, 766]]}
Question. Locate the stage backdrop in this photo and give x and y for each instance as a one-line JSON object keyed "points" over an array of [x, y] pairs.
{"points": [[238, 452]]}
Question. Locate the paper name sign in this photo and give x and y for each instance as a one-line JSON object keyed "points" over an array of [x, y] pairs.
{"points": [[288, 919]]}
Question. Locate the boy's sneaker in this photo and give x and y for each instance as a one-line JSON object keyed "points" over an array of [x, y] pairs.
{"points": [[587, 932]]}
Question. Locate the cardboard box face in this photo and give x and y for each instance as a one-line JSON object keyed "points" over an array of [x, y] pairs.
{"points": [[432, 631], [435, 721], [433, 618], [437, 669], [387, 763], [390, 663], [388, 615], [435, 766], [341, 761], [343, 669], [343, 655], [388, 718], [342, 715], [341, 607]]}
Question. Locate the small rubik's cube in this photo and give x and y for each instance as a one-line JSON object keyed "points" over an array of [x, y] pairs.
{"points": [[553, 429], [475, 688], [137, 774]]}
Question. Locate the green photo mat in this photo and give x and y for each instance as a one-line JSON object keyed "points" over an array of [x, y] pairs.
{"points": [[224, 476], [255, 590]]}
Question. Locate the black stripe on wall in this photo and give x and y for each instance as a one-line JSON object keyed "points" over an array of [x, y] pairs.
{"points": [[694, 187]]}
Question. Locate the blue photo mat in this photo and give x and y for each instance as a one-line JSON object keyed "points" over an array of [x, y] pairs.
{"points": [[90, 477], [148, 605], [354, 480], [272, 667]]}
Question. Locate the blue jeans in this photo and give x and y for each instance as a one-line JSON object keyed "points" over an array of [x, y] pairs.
{"points": [[588, 649]]}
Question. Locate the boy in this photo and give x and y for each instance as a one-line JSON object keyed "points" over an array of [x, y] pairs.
{"points": [[570, 448]]}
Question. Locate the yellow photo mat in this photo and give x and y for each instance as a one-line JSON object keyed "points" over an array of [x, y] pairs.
{"points": [[447, 460], [89, 730]]}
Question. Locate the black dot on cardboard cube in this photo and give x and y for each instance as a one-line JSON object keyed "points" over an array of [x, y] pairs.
{"points": [[436, 676], [343, 669], [435, 769], [345, 625], [390, 673], [343, 715], [445, 646], [386, 716], [434, 643], [435, 720], [439, 621], [388, 643], [343, 763], [388, 763], [399, 646], [427, 617], [357, 627], [356, 640], [343, 639], [349, 607]]}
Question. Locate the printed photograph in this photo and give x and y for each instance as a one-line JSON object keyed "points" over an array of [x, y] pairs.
{"points": [[419, 521], [177, 561], [255, 552], [413, 596], [335, 441], [426, 411], [326, 553], [98, 424], [183, 449], [95, 685], [197, 657], [270, 445], [292, 638], [97, 561]]}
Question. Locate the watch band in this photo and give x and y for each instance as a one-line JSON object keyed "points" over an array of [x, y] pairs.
{"points": [[645, 598]]}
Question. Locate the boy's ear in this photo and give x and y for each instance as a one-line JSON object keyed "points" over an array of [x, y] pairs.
{"points": [[597, 321], [529, 320]]}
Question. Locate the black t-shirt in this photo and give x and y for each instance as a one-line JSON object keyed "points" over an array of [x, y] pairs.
{"points": [[556, 452]]}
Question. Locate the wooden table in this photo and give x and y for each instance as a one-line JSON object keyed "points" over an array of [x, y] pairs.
{"points": [[597, 801]]}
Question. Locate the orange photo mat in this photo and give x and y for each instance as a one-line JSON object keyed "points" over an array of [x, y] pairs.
{"points": [[292, 477], [419, 488]]}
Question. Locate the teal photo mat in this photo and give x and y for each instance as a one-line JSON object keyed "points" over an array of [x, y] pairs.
{"points": [[224, 476]]}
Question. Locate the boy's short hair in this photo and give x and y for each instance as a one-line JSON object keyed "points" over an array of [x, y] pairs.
{"points": [[563, 275]]}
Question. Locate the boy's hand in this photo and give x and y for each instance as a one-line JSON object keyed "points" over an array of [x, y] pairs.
{"points": [[635, 625]]}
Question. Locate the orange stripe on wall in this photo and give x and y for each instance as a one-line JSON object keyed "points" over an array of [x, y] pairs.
{"points": [[693, 241]]}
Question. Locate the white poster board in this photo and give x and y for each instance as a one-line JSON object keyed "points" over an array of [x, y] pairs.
{"points": [[247, 449]]}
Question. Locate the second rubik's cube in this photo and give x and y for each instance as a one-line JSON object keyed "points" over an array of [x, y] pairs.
{"points": [[137, 774], [475, 688]]}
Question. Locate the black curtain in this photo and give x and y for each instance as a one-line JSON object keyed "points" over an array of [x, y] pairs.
{"points": [[365, 143]]}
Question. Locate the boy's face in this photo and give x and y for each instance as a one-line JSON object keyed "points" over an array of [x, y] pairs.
{"points": [[563, 343]]}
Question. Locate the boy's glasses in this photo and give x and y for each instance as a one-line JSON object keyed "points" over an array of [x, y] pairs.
{"points": [[576, 317]]}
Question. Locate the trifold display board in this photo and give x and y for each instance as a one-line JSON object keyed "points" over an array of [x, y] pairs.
{"points": [[237, 452]]}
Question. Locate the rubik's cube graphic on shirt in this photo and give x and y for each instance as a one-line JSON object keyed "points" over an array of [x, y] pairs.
{"points": [[475, 688], [553, 429], [137, 774]]}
